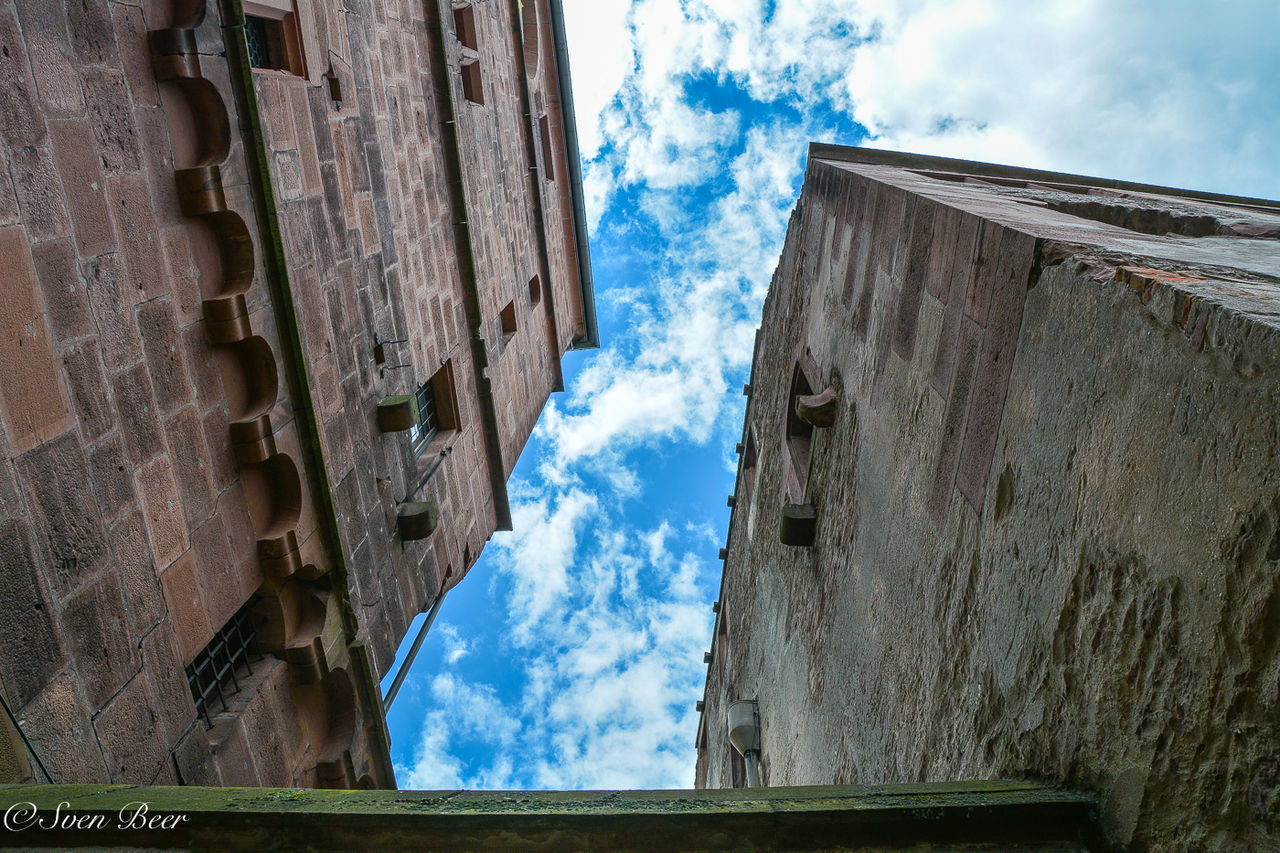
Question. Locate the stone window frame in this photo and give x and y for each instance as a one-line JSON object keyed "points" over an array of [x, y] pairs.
{"points": [[722, 638], [444, 397], [507, 322], [548, 150], [289, 24], [464, 26], [798, 434], [472, 80]]}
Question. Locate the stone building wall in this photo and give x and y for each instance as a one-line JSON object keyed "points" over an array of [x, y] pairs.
{"points": [[1047, 531], [190, 384], [369, 229]]}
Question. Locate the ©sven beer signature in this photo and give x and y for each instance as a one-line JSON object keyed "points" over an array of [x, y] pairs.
{"points": [[136, 815]]}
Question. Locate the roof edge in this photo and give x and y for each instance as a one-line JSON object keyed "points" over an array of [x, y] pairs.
{"points": [[908, 160]]}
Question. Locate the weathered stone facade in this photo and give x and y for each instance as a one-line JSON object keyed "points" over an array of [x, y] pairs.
{"points": [[1042, 525], [225, 288]]}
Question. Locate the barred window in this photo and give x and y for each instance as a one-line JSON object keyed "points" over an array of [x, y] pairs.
{"points": [[217, 672], [264, 41], [428, 419], [272, 34]]}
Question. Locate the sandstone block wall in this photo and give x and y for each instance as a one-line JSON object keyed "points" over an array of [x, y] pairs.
{"points": [[372, 239], [1047, 531], [188, 383]]}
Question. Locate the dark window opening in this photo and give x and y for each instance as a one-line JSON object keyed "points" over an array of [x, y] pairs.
{"points": [[264, 41], [274, 43], [437, 408], [508, 320], [548, 155], [217, 671], [535, 291], [799, 434], [464, 24], [472, 84], [748, 465]]}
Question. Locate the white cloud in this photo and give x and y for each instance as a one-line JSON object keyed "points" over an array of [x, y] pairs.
{"points": [[542, 548], [468, 712], [1169, 92], [612, 663], [455, 646], [601, 56]]}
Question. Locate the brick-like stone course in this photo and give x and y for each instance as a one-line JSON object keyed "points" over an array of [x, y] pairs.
{"points": [[99, 639], [27, 628], [127, 517]]}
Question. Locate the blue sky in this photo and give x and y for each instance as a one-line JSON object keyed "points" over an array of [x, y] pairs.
{"points": [[571, 656]]}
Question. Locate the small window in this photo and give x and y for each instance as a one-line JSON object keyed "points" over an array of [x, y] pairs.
{"points": [[464, 25], [437, 408], [428, 423], [722, 638], [748, 465], [472, 84], [535, 291], [274, 42], [548, 155], [508, 320], [799, 435], [217, 671]]}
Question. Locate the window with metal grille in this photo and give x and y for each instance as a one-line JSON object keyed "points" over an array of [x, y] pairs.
{"points": [[264, 40], [217, 672], [428, 419], [273, 36]]}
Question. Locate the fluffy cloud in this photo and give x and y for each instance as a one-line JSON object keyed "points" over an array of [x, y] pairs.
{"points": [[611, 663], [1156, 91]]}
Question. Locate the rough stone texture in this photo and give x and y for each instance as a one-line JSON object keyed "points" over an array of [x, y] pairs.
{"points": [[83, 368], [112, 476], [57, 724], [112, 306], [83, 185], [65, 297], [163, 664], [34, 401], [1051, 550], [39, 194], [99, 639], [131, 551], [65, 513], [186, 606], [21, 122], [27, 626], [133, 743], [367, 224], [136, 526]]}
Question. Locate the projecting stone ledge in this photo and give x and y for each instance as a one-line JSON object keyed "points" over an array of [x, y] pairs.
{"points": [[950, 816]]}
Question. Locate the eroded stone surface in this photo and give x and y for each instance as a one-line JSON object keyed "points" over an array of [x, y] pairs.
{"points": [[1049, 541]]}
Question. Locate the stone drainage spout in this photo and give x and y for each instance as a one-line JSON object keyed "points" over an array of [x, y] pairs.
{"points": [[744, 734]]}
